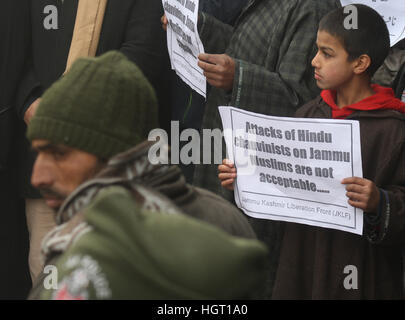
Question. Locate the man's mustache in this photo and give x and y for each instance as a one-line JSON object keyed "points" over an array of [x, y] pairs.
{"points": [[49, 193]]}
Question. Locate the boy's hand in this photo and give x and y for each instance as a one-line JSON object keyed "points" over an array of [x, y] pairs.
{"points": [[362, 194], [227, 174]]}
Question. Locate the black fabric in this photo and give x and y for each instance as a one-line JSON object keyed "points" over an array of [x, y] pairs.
{"points": [[225, 11], [399, 82], [6, 129], [399, 88], [14, 36]]}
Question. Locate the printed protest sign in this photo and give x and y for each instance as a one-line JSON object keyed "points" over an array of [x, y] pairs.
{"points": [[290, 169], [184, 43], [392, 11]]}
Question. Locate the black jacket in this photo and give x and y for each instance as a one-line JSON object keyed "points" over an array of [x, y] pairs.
{"points": [[14, 41], [14, 38], [399, 83], [131, 26]]}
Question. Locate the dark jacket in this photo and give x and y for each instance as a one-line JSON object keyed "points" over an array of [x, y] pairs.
{"points": [[313, 259], [130, 26], [15, 43], [399, 84], [14, 38], [225, 11]]}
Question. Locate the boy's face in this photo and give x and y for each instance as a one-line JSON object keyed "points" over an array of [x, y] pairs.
{"points": [[333, 70]]}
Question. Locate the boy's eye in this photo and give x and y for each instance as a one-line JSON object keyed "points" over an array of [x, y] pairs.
{"points": [[326, 55]]}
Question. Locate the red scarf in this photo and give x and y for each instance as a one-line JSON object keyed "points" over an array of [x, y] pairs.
{"points": [[383, 98]]}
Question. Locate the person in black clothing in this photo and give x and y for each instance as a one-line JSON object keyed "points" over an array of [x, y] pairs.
{"points": [[399, 83], [14, 37], [388, 72]]}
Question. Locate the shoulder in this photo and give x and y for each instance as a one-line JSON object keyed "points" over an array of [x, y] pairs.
{"points": [[319, 8], [323, 5], [315, 108], [382, 123], [385, 116]]}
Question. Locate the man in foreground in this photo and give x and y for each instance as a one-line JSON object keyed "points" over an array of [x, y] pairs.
{"points": [[121, 230]]}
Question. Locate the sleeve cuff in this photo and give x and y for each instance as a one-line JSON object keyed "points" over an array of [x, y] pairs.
{"points": [[377, 224], [235, 95]]}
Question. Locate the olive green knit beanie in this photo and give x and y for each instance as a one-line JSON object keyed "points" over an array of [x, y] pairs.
{"points": [[103, 106]]}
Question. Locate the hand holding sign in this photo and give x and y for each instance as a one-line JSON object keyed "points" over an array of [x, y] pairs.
{"points": [[227, 174], [362, 194], [219, 70]]}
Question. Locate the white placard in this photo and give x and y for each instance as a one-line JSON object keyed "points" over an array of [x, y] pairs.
{"points": [[290, 169], [184, 43], [392, 11]]}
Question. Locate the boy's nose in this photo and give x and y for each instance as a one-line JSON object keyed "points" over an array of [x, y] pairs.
{"points": [[314, 62]]}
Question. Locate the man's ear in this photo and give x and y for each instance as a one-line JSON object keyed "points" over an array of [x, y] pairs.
{"points": [[361, 64]]}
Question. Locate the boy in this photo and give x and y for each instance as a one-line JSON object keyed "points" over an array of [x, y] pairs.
{"points": [[317, 263]]}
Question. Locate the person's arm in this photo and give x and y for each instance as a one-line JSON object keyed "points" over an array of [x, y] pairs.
{"points": [[214, 34], [28, 94], [145, 44], [29, 89], [226, 11], [144, 41]]}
